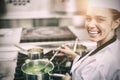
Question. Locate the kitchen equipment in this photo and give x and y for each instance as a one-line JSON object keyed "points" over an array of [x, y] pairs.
{"points": [[32, 69], [33, 53], [75, 45], [22, 50], [45, 34], [43, 69]]}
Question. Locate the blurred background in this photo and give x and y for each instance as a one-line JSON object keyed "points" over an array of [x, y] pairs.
{"points": [[40, 23], [30, 13]]}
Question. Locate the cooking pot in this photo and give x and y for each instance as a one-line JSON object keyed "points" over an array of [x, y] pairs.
{"points": [[35, 53], [32, 53], [32, 70]]}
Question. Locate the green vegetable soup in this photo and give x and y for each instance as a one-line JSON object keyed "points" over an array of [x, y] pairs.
{"points": [[36, 68]]}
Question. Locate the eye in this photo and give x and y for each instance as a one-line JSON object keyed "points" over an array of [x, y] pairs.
{"points": [[99, 19], [88, 19]]}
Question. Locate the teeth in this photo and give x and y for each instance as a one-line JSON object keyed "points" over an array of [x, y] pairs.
{"points": [[93, 32]]}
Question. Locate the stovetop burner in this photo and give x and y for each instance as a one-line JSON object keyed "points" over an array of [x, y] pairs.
{"points": [[37, 34]]}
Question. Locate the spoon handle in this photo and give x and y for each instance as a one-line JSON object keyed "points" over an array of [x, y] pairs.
{"points": [[22, 50], [75, 44], [51, 58], [54, 56]]}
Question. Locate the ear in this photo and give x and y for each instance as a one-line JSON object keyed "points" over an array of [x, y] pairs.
{"points": [[116, 23]]}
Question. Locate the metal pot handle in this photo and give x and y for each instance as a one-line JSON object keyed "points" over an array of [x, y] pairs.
{"points": [[57, 75]]}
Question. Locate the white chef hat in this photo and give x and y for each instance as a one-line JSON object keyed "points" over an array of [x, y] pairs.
{"points": [[113, 4]]}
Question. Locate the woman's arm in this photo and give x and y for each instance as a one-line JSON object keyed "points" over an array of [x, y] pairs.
{"points": [[65, 50]]}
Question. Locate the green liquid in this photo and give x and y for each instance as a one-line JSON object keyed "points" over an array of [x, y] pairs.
{"points": [[36, 69]]}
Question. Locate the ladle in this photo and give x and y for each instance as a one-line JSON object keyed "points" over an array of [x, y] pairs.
{"points": [[43, 69], [74, 49]]}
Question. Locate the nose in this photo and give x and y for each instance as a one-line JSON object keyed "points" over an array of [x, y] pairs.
{"points": [[91, 24]]}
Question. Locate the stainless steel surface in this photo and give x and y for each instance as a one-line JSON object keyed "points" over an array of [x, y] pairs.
{"points": [[8, 62], [32, 53], [10, 35], [45, 33], [22, 50], [35, 53], [7, 69], [8, 59]]}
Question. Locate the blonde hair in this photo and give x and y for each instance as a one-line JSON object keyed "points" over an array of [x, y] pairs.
{"points": [[116, 14]]}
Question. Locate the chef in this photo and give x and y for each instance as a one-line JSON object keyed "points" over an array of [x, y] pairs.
{"points": [[103, 62]]}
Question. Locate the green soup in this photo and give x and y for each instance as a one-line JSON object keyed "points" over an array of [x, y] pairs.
{"points": [[36, 68]]}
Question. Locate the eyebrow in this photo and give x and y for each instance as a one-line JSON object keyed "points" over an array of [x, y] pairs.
{"points": [[97, 16], [100, 17]]}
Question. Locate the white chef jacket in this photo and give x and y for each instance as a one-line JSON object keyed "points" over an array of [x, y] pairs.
{"points": [[103, 65]]}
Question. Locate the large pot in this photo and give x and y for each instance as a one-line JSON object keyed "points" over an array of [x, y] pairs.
{"points": [[31, 69]]}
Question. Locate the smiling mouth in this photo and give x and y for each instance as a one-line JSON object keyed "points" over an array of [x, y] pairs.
{"points": [[93, 33]]}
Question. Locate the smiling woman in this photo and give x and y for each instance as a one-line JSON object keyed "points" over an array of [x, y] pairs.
{"points": [[100, 26], [103, 62]]}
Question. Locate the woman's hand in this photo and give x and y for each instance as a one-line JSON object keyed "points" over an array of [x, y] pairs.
{"points": [[65, 50], [67, 77]]}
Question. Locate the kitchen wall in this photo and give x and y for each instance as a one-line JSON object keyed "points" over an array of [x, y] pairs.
{"points": [[7, 23], [30, 13]]}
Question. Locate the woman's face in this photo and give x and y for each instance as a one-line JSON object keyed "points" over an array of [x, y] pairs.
{"points": [[100, 24]]}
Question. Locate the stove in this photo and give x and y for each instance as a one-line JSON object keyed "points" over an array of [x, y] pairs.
{"points": [[40, 34], [60, 63], [50, 38]]}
